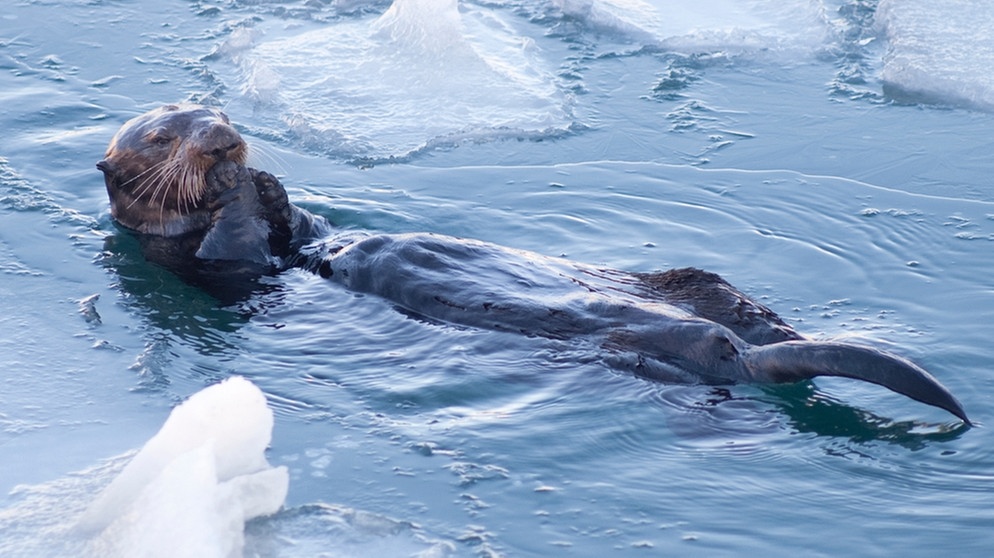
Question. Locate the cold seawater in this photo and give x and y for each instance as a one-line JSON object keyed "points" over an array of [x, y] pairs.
{"points": [[830, 158]]}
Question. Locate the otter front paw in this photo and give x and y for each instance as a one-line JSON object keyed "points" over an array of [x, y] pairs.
{"points": [[239, 230], [272, 196], [228, 181]]}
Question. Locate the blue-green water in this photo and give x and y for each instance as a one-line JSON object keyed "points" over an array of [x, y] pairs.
{"points": [[802, 151]]}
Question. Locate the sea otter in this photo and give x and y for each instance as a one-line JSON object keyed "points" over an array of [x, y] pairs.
{"points": [[177, 177], [156, 171]]}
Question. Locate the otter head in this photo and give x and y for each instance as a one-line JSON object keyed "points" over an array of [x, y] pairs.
{"points": [[156, 163]]}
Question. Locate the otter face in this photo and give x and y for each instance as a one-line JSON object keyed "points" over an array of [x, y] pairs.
{"points": [[155, 166]]}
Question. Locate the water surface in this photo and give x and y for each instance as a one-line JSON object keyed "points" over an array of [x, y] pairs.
{"points": [[829, 158]]}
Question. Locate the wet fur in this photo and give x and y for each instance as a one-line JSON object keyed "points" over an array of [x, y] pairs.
{"points": [[156, 165]]}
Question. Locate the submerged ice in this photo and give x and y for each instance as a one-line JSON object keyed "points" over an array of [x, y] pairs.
{"points": [[192, 487], [421, 74]]}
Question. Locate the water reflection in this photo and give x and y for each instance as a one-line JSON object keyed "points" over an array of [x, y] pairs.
{"points": [[811, 411], [202, 314]]}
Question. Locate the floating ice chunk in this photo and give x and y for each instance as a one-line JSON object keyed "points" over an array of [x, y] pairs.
{"points": [[191, 488], [692, 22], [428, 25], [633, 18], [421, 73], [938, 52]]}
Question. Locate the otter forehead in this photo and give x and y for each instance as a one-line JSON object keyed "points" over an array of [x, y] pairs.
{"points": [[170, 120]]}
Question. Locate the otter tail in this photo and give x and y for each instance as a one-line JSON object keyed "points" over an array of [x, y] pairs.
{"points": [[792, 361]]}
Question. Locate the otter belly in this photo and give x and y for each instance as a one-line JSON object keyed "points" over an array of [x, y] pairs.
{"points": [[687, 326], [483, 285]]}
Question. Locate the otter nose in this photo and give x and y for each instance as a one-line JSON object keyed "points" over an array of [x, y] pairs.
{"points": [[225, 152], [221, 142]]}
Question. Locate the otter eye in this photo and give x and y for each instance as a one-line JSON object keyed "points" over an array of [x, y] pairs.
{"points": [[159, 136]]}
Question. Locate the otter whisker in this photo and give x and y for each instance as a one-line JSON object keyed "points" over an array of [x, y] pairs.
{"points": [[182, 198], [151, 182], [163, 180], [160, 182], [152, 168], [179, 186], [266, 158], [147, 174], [161, 190], [187, 195], [195, 186]]}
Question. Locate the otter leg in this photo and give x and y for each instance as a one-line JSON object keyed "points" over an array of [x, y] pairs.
{"points": [[709, 296]]}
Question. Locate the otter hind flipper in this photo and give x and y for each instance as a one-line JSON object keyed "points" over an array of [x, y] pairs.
{"points": [[792, 361]]}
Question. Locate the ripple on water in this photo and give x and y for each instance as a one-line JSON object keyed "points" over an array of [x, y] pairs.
{"points": [[801, 226], [320, 529]]}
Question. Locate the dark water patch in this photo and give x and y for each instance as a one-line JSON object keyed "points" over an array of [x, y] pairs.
{"points": [[167, 303], [810, 411]]}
